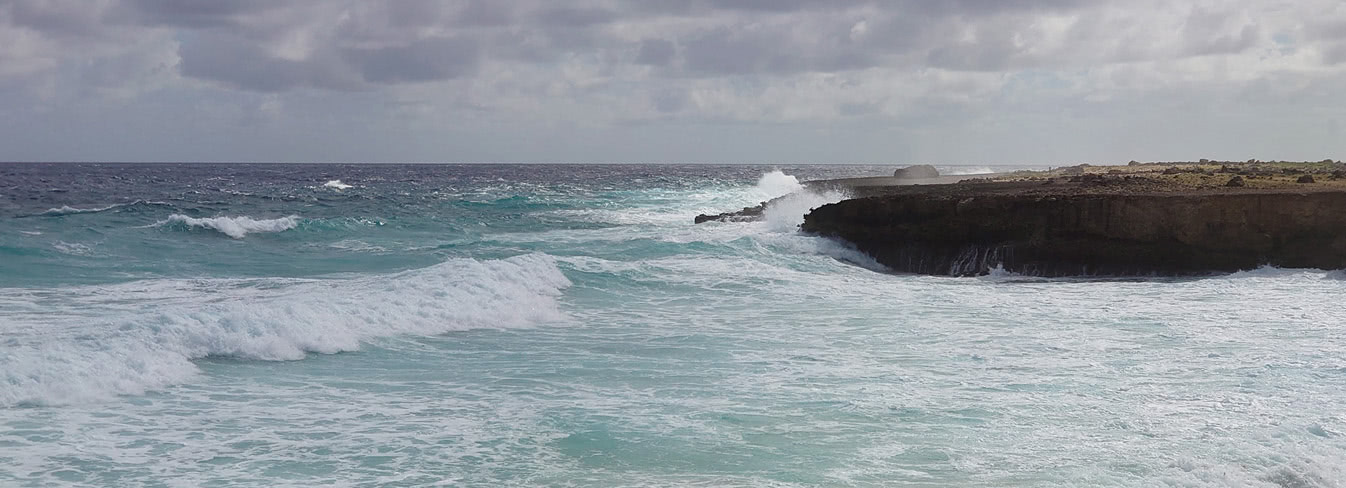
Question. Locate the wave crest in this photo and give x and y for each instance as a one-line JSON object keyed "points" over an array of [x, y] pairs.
{"points": [[784, 214], [151, 344], [235, 227], [777, 183], [68, 210]]}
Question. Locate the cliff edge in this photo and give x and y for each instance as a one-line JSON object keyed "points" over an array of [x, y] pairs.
{"points": [[1092, 234], [1157, 220]]}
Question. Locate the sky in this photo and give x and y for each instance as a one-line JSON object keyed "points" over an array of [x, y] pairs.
{"points": [[765, 81]]}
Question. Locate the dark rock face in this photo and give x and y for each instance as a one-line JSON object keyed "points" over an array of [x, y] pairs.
{"points": [[748, 214], [920, 171], [1236, 182], [1092, 234], [1305, 179]]}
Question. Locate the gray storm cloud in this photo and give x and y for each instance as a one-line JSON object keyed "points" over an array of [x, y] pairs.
{"points": [[974, 81]]}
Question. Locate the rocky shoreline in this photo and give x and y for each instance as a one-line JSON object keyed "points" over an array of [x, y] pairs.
{"points": [[1140, 219]]}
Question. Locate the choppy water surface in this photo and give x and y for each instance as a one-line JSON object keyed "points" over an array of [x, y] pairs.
{"points": [[565, 325]]}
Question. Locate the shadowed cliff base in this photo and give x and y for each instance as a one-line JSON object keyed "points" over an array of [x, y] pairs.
{"points": [[1141, 219]]}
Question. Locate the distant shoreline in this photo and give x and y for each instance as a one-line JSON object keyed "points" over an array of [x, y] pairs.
{"points": [[1181, 177]]}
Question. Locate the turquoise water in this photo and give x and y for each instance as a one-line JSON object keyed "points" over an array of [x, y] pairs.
{"points": [[563, 325]]}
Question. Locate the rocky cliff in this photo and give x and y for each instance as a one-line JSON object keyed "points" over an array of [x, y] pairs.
{"points": [[1045, 233]]}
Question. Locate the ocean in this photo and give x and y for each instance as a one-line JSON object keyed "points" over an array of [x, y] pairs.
{"points": [[568, 325]]}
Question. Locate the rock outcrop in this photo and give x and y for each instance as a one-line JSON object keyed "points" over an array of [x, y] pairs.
{"points": [[1072, 233], [917, 172], [747, 214]]}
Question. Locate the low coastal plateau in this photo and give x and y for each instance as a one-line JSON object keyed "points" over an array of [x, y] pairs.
{"points": [[1134, 219]]}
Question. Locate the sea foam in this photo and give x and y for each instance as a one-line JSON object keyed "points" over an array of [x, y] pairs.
{"points": [[786, 213], [777, 183], [235, 227], [336, 184], [68, 210], [790, 200], [81, 356]]}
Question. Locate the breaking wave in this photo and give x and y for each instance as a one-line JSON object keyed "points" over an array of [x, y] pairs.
{"points": [[784, 214], [777, 183], [68, 210], [49, 359], [235, 227]]}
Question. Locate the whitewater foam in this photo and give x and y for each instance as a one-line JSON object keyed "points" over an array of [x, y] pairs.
{"points": [[235, 227], [68, 210], [786, 213], [678, 207], [336, 184], [355, 245], [72, 248], [151, 345], [776, 183]]}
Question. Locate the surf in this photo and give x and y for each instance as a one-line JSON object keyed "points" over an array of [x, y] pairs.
{"points": [[235, 227], [102, 341]]}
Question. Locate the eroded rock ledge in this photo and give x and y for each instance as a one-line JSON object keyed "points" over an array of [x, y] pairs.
{"points": [[1138, 219], [1108, 229]]}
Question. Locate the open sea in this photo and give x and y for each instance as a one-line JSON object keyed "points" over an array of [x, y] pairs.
{"points": [[261, 325]]}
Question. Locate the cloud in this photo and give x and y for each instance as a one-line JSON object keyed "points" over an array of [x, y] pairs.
{"points": [[656, 52], [915, 64], [765, 50], [575, 16], [292, 44], [415, 13], [423, 60], [483, 13], [1335, 54], [195, 14], [242, 64]]}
